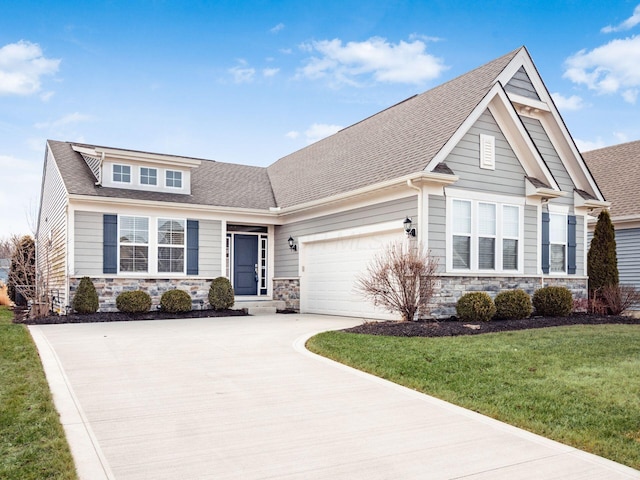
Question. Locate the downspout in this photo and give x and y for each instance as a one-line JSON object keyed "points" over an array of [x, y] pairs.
{"points": [[410, 184]]}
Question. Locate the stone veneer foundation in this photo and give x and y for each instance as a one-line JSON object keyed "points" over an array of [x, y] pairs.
{"points": [[109, 288], [287, 290], [449, 289]]}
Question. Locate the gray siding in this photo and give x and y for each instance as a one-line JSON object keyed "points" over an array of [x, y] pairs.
{"points": [[286, 260], [88, 243], [628, 251], [438, 229], [464, 160], [521, 84], [210, 248], [51, 238], [531, 261], [551, 158]]}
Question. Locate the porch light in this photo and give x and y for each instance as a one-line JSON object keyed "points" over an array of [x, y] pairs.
{"points": [[408, 227], [292, 244]]}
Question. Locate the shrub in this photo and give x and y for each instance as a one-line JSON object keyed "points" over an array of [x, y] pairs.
{"points": [[221, 294], [86, 297], [602, 261], [513, 304], [553, 301], [133, 302], [175, 301], [620, 298], [475, 307]]}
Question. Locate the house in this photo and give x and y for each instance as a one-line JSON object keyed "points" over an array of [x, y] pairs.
{"points": [[483, 167], [617, 171]]}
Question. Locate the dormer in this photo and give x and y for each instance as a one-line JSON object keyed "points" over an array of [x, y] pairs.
{"points": [[133, 170]]}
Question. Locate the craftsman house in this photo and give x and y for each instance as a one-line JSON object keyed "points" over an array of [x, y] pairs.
{"points": [[482, 166]]}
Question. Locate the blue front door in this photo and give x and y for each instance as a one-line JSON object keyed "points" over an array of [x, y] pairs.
{"points": [[245, 264]]}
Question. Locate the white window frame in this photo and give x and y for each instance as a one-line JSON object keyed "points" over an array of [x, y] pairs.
{"points": [[563, 220], [113, 173], [182, 246], [148, 176], [476, 198], [135, 244], [173, 180]]}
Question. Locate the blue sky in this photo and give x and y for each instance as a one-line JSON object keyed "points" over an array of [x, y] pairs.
{"points": [[249, 82]]}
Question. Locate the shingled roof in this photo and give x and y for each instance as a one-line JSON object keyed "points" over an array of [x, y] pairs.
{"points": [[210, 183], [398, 141], [616, 169]]}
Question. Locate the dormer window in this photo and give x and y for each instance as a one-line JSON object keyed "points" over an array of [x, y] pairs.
{"points": [[173, 179], [148, 176], [122, 173]]}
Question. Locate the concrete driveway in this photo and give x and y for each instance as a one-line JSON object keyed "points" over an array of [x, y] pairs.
{"points": [[240, 398]]}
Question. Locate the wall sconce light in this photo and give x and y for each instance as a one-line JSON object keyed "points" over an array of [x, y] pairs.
{"points": [[292, 244], [408, 227]]}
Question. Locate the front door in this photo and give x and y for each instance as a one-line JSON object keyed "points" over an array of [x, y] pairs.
{"points": [[245, 264]]}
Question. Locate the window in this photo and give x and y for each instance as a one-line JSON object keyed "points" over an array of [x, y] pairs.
{"points": [[485, 236], [122, 173], [173, 179], [148, 176], [557, 243], [171, 245], [134, 244]]}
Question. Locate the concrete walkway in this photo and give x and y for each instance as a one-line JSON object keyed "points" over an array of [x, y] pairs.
{"points": [[240, 398]]}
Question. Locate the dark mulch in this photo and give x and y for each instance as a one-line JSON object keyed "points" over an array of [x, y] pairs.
{"points": [[453, 327], [20, 316]]}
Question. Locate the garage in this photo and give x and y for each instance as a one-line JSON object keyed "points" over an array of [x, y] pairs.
{"points": [[330, 264]]}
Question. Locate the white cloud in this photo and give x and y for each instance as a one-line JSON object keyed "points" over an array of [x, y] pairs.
{"points": [[22, 65], [75, 117], [318, 131], [292, 134], [587, 145], [382, 61], [242, 73], [270, 72], [277, 28], [610, 68], [621, 137], [574, 102], [628, 24]]}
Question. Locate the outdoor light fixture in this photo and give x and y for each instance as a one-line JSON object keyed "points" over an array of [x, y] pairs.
{"points": [[292, 244], [408, 227]]}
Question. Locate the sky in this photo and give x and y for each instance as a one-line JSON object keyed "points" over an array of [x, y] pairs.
{"points": [[251, 81]]}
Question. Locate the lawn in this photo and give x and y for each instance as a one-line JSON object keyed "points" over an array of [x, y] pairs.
{"points": [[578, 385], [32, 442]]}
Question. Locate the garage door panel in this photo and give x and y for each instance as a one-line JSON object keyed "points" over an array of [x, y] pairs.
{"points": [[330, 271]]}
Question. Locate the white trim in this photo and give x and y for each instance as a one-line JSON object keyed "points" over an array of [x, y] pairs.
{"points": [[483, 197], [353, 232], [558, 209]]}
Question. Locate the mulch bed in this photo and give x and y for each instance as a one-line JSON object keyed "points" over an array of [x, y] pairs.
{"points": [[454, 327], [20, 316]]}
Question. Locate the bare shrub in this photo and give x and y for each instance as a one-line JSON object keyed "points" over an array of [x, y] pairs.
{"points": [[619, 298], [400, 279]]}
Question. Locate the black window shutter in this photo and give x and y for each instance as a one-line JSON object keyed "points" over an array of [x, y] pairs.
{"points": [[110, 244], [571, 244], [545, 242], [192, 247]]}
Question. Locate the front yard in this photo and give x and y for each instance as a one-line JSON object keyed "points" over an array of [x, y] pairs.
{"points": [[32, 442], [578, 385]]}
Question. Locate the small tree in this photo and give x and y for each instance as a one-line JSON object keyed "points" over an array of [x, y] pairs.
{"points": [[602, 261], [86, 298], [400, 279], [22, 272]]}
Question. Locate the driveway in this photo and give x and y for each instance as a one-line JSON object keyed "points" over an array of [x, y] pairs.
{"points": [[240, 398]]}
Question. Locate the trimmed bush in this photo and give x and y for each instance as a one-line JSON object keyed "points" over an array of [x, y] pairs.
{"points": [[475, 307], [133, 302], [221, 295], [175, 301], [553, 301], [513, 304], [86, 297]]}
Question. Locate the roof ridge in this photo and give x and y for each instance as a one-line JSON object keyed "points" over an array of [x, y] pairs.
{"points": [[617, 145]]}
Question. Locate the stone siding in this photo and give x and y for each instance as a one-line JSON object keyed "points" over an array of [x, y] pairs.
{"points": [[109, 288], [449, 289], [287, 290]]}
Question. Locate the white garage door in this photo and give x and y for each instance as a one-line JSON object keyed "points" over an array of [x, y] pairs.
{"points": [[329, 271]]}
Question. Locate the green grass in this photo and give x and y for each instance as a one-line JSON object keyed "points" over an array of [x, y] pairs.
{"points": [[32, 441], [577, 385]]}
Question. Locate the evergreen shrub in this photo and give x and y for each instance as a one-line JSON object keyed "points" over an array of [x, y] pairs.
{"points": [[513, 304], [175, 301], [86, 297], [553, 301], [221, 295], [133, 302], [475, 307]]}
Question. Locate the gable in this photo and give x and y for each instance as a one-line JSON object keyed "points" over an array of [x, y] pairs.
{"points": [[508, 175], [521, 84]]}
